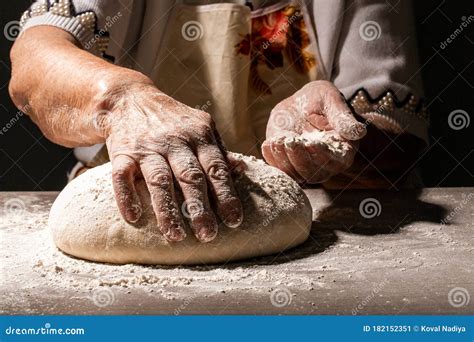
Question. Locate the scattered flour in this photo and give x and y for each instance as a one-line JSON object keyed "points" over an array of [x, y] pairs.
{"points": [[59, 271], [35, 277]]}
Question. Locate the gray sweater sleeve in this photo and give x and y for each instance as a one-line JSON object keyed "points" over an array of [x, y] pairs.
{"points": [[100, 26], [377, 65], [369, 52]]}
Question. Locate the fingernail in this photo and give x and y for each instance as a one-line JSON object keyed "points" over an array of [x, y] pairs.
{"points": [[353, 131], [360, 129], [234, 219], [207, 234], [176, 233], [133, 214]]}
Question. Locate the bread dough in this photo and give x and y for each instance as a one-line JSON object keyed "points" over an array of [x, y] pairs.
{"points": [[85, 221]]}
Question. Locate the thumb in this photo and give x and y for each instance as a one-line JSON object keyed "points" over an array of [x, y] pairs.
{"points": [[342, 119]]}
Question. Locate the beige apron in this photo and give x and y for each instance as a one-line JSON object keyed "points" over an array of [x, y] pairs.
{"points": [[236, 65]]}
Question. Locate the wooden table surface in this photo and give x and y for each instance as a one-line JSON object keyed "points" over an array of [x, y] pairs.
{"points": [[414, 257]]}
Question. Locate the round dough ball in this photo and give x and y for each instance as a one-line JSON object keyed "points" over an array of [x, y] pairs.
{"points": [[86, 223]]}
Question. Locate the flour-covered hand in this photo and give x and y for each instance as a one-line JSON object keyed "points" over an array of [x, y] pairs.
{"points": [[313, 134], [153, 136]]}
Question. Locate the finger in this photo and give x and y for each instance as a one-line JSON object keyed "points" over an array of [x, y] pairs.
{"points": [[159, 181], [281, 160], [311, 169], [299, 157], [124, 170], [235, 164], [218, 139], [329, 159], [192, 182], [267, 153], [342, 119], [327, 167], [222, 188]]}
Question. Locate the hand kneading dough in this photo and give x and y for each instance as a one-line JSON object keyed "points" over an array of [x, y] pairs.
{"points": [[86, 223]]}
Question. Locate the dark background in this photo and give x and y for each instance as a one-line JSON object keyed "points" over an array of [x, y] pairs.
{"points": [[28, 161]]}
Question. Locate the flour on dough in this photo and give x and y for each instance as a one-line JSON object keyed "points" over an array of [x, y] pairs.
{"points": [[85, 221]]}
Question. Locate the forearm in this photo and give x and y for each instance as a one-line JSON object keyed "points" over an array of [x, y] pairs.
{"points": [[64, 89]]}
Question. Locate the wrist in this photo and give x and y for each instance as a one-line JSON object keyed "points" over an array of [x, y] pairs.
{"points": [[112, 90]]}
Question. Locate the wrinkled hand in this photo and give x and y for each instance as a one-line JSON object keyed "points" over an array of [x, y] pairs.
{"points": [[313, 134], [150, 135]]}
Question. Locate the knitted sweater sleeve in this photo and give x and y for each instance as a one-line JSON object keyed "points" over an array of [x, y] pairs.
{"points": [[100, 26]]}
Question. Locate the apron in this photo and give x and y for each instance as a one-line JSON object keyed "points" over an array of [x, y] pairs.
{"points": [[236, 64]]}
